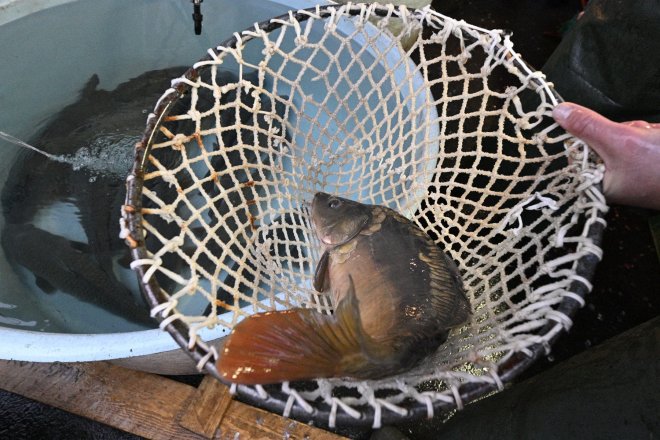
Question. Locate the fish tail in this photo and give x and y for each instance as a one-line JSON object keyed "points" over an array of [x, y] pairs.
{"points": [[298, 344]]}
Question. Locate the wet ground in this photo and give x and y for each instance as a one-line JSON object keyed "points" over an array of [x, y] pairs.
{"points": [[626, 289]]}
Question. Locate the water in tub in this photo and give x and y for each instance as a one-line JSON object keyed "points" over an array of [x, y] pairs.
{"points": [[61, 215], [58, 204], [61, 205]]}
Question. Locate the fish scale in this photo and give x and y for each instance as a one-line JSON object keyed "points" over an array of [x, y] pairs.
{"points": [[435, 282]]}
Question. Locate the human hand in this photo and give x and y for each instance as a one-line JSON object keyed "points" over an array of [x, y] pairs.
{"points": [[630, 152]]}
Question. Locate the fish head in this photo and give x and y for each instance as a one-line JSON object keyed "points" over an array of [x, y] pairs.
{"points": [[337, 220]]}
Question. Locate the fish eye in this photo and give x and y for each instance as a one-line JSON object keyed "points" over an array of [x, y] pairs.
{"points": [[334, 203]]}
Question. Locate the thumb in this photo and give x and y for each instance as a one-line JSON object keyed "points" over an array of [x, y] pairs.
{"points": [[630, 152], [596, 130]]}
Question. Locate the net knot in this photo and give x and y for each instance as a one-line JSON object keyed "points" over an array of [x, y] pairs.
{"points": [[457, 396], [515, 214], [450, 26], [261, 391], [301, 40], [425, 15], [154, 263], [164, 309], [592, 176], [294, 397], [464, 57], [212, 353], [268, 51], [492, 371], [170, 319], [338, 403], [330, 24]]}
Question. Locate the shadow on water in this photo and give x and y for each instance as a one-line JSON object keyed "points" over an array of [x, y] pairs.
{"points": [[61, 231]]}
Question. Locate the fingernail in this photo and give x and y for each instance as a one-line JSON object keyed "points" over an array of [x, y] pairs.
{"points": [[562, 112]]}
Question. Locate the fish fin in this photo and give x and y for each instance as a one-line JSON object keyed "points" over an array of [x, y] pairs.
{"points": [[321, 273], [125, 260], [44, 285], [80, 247], [298, 344], [461, 312], [90, 86], [462, 309]]}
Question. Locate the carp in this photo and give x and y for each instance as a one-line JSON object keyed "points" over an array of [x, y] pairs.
{"points": [[396, 296]]}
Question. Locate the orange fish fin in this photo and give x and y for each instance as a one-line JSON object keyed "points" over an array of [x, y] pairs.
{"points": [[297, 344]]}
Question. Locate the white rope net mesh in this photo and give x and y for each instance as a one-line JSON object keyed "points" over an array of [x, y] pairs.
{"points": [[451, 130]]}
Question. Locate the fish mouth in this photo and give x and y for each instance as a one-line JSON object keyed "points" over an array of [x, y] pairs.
{"points": [[324, 237], [322, 232], [327, 240]]}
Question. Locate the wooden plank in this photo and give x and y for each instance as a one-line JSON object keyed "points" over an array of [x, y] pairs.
{"points": [[135, 402], [214, 414], [206, 408], [145, 404], [260, 424]]}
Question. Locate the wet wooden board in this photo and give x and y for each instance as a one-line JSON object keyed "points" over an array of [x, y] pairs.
{"points": [[206, 408], [147, 405]]}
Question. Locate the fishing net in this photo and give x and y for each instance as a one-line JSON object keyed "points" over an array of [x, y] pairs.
{"points": [[451, 129]]}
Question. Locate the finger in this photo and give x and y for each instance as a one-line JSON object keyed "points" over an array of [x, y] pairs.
{"points": [[582, 122], [641, 124], [597, 131]]}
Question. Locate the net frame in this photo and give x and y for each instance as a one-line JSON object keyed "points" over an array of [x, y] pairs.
{"points": [[288, 400]]}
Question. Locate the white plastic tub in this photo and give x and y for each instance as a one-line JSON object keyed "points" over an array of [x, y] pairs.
{"points": [[50, 49]]}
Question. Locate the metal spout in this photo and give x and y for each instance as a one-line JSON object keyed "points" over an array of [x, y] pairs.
{"points": [[197, 16]]}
